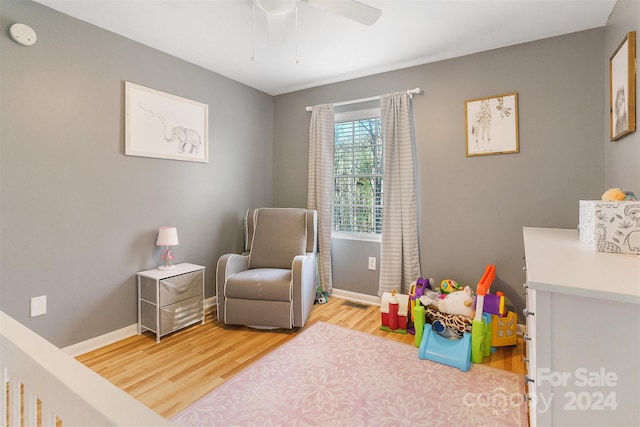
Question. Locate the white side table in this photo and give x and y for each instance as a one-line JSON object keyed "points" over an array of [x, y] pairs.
{"points": [[169, 300]]}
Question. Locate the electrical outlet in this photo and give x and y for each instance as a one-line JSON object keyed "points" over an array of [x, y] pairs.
{"points": [[38, 306], [372, 263]]}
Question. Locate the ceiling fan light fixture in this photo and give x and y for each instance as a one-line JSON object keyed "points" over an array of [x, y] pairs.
{"points": [[276, 7], [278, 11]]}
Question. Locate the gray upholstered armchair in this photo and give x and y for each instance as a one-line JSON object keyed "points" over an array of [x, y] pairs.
{"points": [[273, 284]]}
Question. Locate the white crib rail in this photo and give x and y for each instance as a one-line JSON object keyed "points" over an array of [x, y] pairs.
{"points": [[67, 390]]}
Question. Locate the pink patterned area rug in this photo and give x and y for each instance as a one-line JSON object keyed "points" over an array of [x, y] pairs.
{"points": [[332, 376]]}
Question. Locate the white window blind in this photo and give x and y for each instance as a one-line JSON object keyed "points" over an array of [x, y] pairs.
{"points": [[358, 171]]}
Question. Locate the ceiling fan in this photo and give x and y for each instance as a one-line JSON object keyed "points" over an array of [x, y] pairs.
{"points": [[278, 11]]}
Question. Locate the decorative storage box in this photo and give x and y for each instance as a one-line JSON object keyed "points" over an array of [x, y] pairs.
{"points": [[610, 226]]}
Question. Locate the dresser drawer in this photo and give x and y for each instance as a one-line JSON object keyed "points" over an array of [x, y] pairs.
{"points": [[172, 289], [172, 317], [180, 314]]}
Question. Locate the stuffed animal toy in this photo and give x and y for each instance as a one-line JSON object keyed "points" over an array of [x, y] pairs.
{"points": [[429, 298], [460, 303], [613, 195]]}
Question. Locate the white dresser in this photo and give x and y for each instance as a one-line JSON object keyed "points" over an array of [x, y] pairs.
{"points": [[583, 332], [169, 300]]}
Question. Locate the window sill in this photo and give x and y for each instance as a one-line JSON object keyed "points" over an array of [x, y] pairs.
{"points": [[357, 236]]}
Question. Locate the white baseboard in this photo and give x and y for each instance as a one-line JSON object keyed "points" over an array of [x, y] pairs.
{"points": [[356, 297], [210, 302], [101, 341], [131, 330], [92, 344]]}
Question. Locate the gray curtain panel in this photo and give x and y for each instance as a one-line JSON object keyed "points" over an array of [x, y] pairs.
{"points": [[399, 256], [320, 186]]}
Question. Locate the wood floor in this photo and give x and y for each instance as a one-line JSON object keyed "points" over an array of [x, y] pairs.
{"points": [[188, 364]]}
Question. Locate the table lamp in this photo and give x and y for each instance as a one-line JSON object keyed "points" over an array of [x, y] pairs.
{"points": [[167, 236]]}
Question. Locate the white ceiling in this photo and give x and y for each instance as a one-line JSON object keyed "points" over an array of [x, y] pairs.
{"points": [[217, 34]]}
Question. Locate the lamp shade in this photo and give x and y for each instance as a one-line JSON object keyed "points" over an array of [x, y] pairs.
{"points": [[167, 236]]}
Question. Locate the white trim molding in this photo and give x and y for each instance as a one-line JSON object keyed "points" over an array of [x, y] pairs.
{"points": [[92, 344], [356, 297]]}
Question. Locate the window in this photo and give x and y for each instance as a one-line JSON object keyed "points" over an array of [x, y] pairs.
{"points": [[358, 168]]}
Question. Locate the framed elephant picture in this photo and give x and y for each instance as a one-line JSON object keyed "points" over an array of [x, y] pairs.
{"points": [[165, 126]]}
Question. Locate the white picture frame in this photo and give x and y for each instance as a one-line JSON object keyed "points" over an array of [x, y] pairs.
{"points": [[165, 126]]}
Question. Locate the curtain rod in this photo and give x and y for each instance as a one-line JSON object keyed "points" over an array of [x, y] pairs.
{"points": [[411, 92]]}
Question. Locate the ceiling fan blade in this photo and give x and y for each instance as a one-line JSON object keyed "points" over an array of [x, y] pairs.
{"points": [[349, 9], [277, 27], [276, 7]]}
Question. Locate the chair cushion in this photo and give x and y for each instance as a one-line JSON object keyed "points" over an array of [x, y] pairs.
{"points": [[269, 284], [279, 235]]}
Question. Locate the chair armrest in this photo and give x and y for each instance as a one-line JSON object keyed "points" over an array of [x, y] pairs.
{"points": [[228, 265], [303, 279], [303, 268]]}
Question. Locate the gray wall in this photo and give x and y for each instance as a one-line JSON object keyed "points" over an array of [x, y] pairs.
{"points": [[472, 209], [351, 265], [622, 158], [78, 217]]}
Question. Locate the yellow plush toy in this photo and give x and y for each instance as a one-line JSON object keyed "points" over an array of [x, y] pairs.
{"points": [[613, 195]]}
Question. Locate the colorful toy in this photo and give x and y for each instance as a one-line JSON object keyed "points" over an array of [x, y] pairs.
{"points": [[481, 338], [447, 286], [393, 311], [418, 323], [416, 291], [321, 297], [439, 328], [504, 330], [460, 302], [425, 283], [494, 304], [443, 350], [481, 330]]}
